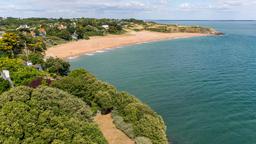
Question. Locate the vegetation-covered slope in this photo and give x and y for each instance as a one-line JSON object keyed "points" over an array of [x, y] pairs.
{"points": [[46, 115], [134, 118]]}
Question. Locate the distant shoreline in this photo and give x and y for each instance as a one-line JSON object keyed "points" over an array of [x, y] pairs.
{"points": [[100, 43]]}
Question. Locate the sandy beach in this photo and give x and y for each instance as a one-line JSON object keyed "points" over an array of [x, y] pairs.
{"points": [[100, 43]]}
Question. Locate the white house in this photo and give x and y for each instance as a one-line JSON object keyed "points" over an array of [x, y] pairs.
{"points": [[105, 26], [5, 74], [23, 27], [74, 36], [29, 63]]}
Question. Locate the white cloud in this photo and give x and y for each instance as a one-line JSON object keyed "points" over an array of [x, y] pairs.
{"points": [[218, 5], [127, 8]]}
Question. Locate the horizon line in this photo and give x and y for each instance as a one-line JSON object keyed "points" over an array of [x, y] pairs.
{"points": [[138, 19]]}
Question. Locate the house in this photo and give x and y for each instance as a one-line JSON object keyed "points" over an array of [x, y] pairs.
{"points": [[33, 34], [42, 32], [23, 27], [38, 67], [74, 36], [5, 74], [105, 26], [74, 24], [29, 63], [62, 27]]}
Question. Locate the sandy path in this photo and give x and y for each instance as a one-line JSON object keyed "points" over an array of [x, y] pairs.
{"points": [[80, 47], [110, 132]]}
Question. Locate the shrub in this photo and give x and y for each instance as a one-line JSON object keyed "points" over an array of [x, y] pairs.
{"points": [[105, 101], [122, 125], [20, 74], [78, 83], [46, 115], [142, 140], [4, 85], [151, 127], [36, 58], [135, 111], [122, 100], [82, 84], [57, 66]]}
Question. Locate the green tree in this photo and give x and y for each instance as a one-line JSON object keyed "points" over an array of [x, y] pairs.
{"points": [[35, 44], [57, 66], [10, 43], [20, 74], [36, 58], [105, 101]]}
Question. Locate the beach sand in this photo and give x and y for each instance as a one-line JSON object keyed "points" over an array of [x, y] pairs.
{"points": [[101, 43]]}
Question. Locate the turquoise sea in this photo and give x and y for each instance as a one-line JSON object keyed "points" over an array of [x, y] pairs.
{"points": [[204, 88]]}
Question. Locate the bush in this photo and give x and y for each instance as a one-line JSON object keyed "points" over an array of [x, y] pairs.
{"points": [[20, 74], [36, 58], [4, 85], [57, 66], [46, 115], [78, 83], [142, 140], [105, 101], [82, 84], [122, 125], [151, 127], [135, 111], [122, 100]]}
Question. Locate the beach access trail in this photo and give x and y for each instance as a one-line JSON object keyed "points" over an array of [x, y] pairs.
{"points": [[109, 130]]}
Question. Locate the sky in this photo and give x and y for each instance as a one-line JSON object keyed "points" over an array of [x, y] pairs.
{"points": [[140, 9]]}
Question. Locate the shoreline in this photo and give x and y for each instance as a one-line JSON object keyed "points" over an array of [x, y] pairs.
{"points": [[75, 49]]}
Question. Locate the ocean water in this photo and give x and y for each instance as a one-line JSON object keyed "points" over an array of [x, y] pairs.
{"points": [[204, 88]]}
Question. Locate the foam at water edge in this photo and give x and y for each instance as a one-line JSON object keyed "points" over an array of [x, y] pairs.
{"points": [[89, 54], [100, 51], [73, 57]]}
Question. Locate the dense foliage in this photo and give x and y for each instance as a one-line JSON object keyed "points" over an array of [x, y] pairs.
{"points": [[9, 44], [46, 115], [138, 119], [20, 74], [13, 44], [61, 28], [57, 66]]}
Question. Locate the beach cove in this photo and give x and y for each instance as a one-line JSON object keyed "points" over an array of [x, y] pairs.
{"points": [[100, 43]]}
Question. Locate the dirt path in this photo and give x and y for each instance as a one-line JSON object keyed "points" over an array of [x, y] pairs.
{"points": [[110, 132]]}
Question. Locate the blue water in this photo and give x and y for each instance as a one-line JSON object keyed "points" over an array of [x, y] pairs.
{"points": [[205, 88]]}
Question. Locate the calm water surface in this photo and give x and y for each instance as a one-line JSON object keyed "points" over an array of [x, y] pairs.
{"points": [[205, 88]]}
